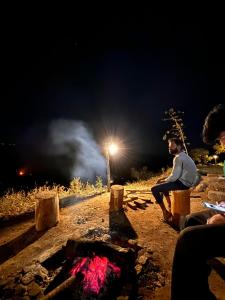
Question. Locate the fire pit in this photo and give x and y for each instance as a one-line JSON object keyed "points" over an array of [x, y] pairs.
{"points": [[89, 269], [95, 270]]}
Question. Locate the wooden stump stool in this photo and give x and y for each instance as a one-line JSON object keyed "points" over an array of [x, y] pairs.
{"points": [[180, 204], [46, 210], [116, 198]]}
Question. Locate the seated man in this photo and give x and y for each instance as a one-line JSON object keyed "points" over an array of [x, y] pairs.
{"points": [[183, 176], [204, 237]]}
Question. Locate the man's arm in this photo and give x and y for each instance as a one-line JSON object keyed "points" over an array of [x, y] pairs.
{"points": [[161, 180], [177, 170]]}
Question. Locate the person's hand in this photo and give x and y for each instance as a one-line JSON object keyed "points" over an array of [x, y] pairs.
{"points": [[221, 203], [160, 180], [216, 219]]}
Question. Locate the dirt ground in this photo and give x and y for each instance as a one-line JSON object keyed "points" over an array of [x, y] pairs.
{"points": [[82, 217]]}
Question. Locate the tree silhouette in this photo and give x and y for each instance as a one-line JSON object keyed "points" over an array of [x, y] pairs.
{"points": [[177, 129]]}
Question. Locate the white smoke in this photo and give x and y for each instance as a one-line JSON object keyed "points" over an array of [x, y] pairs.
{"points": [[73, 141]]}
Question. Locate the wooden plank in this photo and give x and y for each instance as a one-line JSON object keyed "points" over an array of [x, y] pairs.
{"points": [[127, 200], [132, 205], [139, 191], [140, 203], [133, 197], [146, 200]]}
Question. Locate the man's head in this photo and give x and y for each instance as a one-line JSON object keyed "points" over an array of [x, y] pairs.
{"points": [[175, 146], [214, 127]]}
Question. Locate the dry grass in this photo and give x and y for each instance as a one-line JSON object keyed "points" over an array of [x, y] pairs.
{"points": [[16, 203], [145, 184]]}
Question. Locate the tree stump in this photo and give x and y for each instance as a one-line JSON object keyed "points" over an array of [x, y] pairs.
{"points": [[46, 210], [116, 198], [180, 204]]}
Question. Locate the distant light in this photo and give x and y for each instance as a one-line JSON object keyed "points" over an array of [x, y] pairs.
{"points": [[113, 149], [21, 173], [215, 156]]}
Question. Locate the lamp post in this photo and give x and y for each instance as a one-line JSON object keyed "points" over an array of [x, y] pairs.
{"points": [[215, 158], [111, 149]]}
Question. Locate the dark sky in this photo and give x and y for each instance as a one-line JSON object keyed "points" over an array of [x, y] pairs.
{"points": [[116, 72]]}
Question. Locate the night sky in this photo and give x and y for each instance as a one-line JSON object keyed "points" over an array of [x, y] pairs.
{"points": [[117, 73]]}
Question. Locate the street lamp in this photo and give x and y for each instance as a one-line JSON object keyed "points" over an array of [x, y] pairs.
{"points": [[111, 149], [215, 158]]}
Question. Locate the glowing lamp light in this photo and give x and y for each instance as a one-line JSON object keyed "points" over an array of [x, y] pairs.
{"points": [[113, 149], [21, 173], [215, 157]]}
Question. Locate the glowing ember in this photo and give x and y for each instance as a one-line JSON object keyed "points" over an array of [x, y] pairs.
{"points": [[95, 270]]}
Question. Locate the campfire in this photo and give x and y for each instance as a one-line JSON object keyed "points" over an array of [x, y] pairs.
{"points": [[97, 273], [89, 269], [95, 270]]}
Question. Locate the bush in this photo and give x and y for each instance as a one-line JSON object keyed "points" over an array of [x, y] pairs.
{"points": [[15, 203], [200, 155]]}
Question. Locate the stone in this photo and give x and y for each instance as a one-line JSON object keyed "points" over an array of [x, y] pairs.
{"points": [[132, 242], [35, 269], [217, 185], [30, 268], [138, 269], [106, 237], [142, 259], [33, 289], [158, 284], [161, 279], [216, 196], [27, 278]]}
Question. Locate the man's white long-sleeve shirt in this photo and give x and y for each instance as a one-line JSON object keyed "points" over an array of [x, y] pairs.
{"points": [[184, 169]]}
